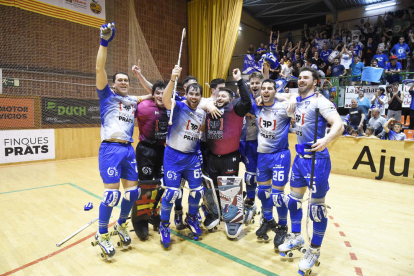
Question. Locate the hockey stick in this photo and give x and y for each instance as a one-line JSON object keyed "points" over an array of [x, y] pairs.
{"points": [[176, 79], [315, 136], [77, 232]]}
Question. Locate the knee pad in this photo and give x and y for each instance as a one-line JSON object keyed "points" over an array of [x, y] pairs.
{"points": [[279, 199], [111, 197], [172, 194], [293, 203], [197, 191], [250, 179], [132, 193], [318, 212], [263, 192]]}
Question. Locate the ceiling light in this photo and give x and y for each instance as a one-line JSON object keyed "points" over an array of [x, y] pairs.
{"points": [[240, 28], [380, 6]]}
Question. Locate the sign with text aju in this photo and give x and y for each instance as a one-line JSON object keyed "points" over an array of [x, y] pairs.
{"points": [[61, 111]]}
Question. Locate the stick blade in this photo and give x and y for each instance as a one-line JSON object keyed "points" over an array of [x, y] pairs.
{"points": [[184, 32]]}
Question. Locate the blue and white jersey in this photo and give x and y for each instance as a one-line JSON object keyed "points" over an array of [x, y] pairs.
{"points": [[377, 104], [392, 135], [249, 130], [305, 119], [274, 124], [185, 129], [117, 115]]}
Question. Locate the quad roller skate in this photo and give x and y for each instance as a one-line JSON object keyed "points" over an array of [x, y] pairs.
{"points": [[191, 222], [122, 232], [249, 212], [265, 227], [309, 260], [104, 242], [292, 242], [281, 232], [178, 219], [165, 235]]}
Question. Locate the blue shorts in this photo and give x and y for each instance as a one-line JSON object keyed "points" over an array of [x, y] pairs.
{"points": [[178, 164], [248, 151], [274, 166], [301, 171], [117, 161]]}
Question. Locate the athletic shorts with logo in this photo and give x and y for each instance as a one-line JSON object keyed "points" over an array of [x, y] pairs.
{"points": [[223, 165], [150, 159], [117, 161], [275, 166]]}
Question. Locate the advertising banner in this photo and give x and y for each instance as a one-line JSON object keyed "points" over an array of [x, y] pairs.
{"points": [[57, 111], [26, 145], [369, 91], [16, 113]]}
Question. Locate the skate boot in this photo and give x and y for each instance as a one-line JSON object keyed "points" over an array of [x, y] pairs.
{"points": [[233, 229], [199, 219], [141, 229], [193, 224], [165, 238], [266, 226], [178, 220], [211, 221], [122, 232], [309, 260], [104, 242], [281, 232], [155, 220], [292, 242], [249, 212]]}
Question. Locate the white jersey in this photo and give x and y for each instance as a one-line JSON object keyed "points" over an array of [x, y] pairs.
{"points": [[274, 124], [186, 125], [117, 115], [305, 117]]}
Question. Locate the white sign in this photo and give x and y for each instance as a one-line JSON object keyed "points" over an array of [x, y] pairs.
{"points": [[369, 91], [95, 8], [26, 145]]}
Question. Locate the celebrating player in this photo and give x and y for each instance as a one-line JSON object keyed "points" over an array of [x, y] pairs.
{"points": [[248, 145], [116, 155], [180, 157], [223, 136], [305, 118], [273, 160]]}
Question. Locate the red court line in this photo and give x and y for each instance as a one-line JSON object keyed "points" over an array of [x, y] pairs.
{"points": [[336, 224], [358, 271], [342, 233], [331, 217], [347, 244], [353, 256], [52, 254]]}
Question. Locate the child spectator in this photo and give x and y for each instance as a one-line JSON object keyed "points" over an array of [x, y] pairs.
{"points": [[395, 134]]}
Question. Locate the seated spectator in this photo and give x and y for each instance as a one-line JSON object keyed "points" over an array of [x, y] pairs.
{"points": [[347, 129], [395, 99], [395, 134], [355, 133], [392, 69], [363, 102], [332, 99], [251, 49], [356, 116], [287, 70], [377, 122], [379, 100], [266, 48], [337, 70], [261, 50], [369, 133], [401, 50], [325, 53], [356, 71]]}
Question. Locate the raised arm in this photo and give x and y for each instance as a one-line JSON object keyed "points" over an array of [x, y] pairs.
{"points": [[270, 38], [387, 130], [243, 106], [166, 97], [107, 34], [136, 69]]}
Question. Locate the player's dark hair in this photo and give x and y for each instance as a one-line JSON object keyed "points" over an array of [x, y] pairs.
{"points": [[215, 82], [374, 59], [315, 74], [117, 73], [256, 75], [224, 89], [354, 131], [270, 81], [188, 78], [398, 124], [195, 86], [160, 84], [381, 89]]}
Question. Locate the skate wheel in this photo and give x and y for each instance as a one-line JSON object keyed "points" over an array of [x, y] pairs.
{"points": [[196, 238], [290, 254], [191, 235], [103, 255], [303, 250], [93, 243], [308, 272], [266, 237], [318, 263], [282, 254], [118, 243], [258, 213], [252, 222]]}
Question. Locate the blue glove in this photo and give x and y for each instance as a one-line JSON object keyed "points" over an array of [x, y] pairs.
{"points": [[107, 33]]}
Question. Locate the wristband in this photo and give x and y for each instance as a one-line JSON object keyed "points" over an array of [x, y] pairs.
{"points": [[172, 80], [104, 42]]}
